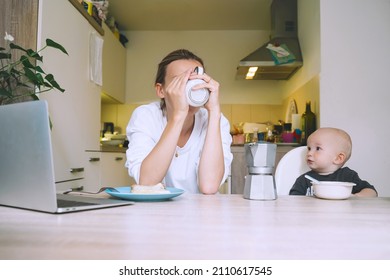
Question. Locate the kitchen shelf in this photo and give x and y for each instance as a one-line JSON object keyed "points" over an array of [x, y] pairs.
{"points": [[90, 19]]}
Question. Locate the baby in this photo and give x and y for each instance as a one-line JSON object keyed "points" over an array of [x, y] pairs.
{"points": [[328, 149]]}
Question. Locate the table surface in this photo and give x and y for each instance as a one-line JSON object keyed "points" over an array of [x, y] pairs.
{"points": [[204, 227]]}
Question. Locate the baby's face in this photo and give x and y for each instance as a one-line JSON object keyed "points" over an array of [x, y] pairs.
{"points": [[321, 153]]}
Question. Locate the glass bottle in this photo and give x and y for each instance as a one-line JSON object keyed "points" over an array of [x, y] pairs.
{"points": [[255, 138], [308, 123]]}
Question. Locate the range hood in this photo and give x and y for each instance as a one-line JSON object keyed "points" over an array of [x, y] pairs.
{"points": [[283, 33]]}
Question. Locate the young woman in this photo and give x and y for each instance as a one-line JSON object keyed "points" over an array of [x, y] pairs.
{"points": [[172, 142]]}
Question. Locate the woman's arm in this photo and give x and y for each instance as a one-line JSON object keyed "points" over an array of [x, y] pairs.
{"points": [[155, 166], [211, 165]]}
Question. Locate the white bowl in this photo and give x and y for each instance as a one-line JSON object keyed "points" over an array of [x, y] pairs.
{"points": [[333, 189]]}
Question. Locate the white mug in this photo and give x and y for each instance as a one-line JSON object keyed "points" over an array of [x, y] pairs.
{"points": [[199, 97]]}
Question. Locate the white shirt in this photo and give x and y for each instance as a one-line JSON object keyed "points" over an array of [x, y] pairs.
{"points": [[144, 131]]}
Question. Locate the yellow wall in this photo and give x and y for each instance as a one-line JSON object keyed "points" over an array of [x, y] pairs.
{"points": [[221, 51], [308, 92]]}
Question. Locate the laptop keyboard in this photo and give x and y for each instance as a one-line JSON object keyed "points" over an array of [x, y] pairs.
{"points": [[61, 203]]}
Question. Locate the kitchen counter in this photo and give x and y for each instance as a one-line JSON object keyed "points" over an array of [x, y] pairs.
{"points": [[205, 227], [109, 149], [114, 149], [277, 144], [117, 149]]}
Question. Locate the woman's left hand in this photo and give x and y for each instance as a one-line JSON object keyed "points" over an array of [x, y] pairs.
{"points": [[212, 86]]}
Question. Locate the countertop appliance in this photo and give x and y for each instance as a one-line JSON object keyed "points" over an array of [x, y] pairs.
{"points": [[260, 159], [108, 127]]}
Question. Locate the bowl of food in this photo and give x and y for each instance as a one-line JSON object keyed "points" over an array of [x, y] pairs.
{"points": [[332, 189]]}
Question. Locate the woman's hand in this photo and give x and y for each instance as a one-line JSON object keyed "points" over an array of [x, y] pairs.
{"points": [[174, 94], [212, 86]]}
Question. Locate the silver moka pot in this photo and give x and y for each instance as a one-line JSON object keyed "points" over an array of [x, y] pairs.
{"points": [[260, 159]]}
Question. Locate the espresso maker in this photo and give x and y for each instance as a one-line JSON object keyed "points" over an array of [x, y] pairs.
{"points": [[260, 160]]}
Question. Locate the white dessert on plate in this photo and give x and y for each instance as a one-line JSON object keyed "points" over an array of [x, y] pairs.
{"points": [[156, 189]]}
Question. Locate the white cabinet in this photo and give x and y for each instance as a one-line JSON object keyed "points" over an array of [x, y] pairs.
{"points": [[113, 171], [92, 171], [238, 170], [106, 169], [75, 114], [114, 68]]}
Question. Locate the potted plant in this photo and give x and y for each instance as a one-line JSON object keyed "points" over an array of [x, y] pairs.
{"points": [[23, 79]]}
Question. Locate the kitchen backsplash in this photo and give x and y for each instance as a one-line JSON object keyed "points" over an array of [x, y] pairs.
{"points": [[120, 114]]}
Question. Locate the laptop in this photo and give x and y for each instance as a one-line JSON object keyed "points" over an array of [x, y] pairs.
{"points": [[26, 163]]}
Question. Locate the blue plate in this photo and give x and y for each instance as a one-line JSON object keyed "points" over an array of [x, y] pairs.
{"points": [[124, 193]]}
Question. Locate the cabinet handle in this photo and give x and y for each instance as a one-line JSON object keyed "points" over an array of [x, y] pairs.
{"points": [[118, 158], [94, 159], [76, 170]]}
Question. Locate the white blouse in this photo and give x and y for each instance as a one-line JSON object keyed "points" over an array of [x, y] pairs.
{"points": [[145, 129]]}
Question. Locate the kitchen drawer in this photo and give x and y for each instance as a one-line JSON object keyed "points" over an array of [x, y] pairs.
{"points": [[71, 184]]}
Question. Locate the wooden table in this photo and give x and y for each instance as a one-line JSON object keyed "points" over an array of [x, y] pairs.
{"points": [[204, 227]]}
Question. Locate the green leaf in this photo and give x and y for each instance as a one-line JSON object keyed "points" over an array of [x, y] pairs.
{"points": [[34, 54], [5, 55], [34, 96], [4, 92], [53, 44], [13, 46], [26, 62], [52, 81], [40, 78], [31, 75], [39, 69]]}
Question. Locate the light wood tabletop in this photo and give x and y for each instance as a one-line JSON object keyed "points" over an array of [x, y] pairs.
{"points": [[204, 227]]}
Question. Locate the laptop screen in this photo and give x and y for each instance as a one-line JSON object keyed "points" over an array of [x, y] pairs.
{"points": [[26, 165]]}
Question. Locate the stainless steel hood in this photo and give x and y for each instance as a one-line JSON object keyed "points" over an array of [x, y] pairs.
{"points": [[284, 32]]}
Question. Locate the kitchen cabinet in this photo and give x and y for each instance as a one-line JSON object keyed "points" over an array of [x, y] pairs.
{"points": [[75, 114], [106, 169], [239, 168], [113, 171], [114, 68]]}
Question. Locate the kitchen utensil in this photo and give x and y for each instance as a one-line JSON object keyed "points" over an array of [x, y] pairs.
{"points": [[260, 160], [312, 179], [86, 192]]}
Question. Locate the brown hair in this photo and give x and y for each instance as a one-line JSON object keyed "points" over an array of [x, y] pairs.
{"points": [[173, 56]]}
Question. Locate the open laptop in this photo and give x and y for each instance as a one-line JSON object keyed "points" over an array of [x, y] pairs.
{"points": [[26, 163]]}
